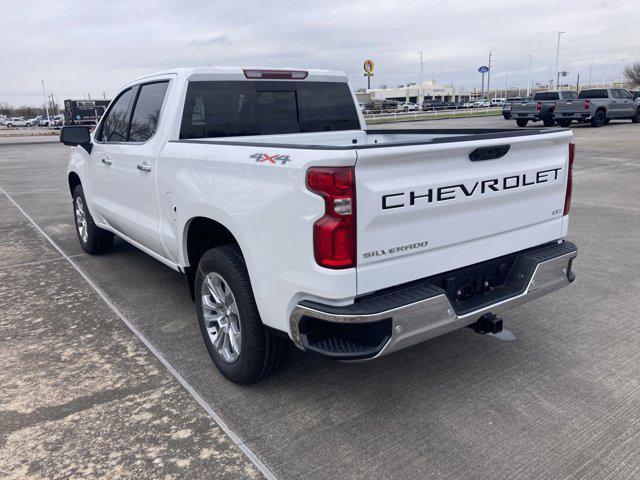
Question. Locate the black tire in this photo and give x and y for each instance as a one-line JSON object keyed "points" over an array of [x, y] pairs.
{"points": [[548, 119], [261, 350], [28, 124], [607, 121], [506, 116], [522, 122], [96, 240], [636, 117], [10, 125], [598, 119], [564, 123]]}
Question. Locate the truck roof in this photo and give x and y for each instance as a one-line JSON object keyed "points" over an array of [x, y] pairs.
{"points": [[238, 73]]}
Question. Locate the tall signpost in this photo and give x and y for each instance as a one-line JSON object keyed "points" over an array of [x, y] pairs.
{"points": [[368, 72], [483, 69]]}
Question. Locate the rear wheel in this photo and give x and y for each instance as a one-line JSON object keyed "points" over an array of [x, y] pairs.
{"points": [[93, 239], [241, 347], [607, 121], [564, 123], [521, 122], [10, 125], [598, 119], [636, 117], [27, 124], [507, 116]]}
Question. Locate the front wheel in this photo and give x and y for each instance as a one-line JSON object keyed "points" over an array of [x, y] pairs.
{"points": [[521, 122], [636, 117], [93, 239], [27, 124], [506, 116], [240, 346], [598, 119]]}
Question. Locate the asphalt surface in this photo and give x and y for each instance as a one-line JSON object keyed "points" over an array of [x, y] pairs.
{"points": [[561, 401]]}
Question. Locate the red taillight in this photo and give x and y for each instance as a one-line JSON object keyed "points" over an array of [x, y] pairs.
{"points": [[567, 196], [587, 104], [334, 234], [539, 106], [276, 74]]}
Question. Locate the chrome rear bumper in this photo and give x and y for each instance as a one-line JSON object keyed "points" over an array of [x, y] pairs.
{"points": [[539, 272]]}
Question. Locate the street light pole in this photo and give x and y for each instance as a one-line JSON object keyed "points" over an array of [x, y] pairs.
{"points": [[44, 97], [557, 61], [529, 79], [489, 78], [421, 89]]}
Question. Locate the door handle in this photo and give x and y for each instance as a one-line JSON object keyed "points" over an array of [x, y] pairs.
{"points": [[106, 161], [144, 167]]}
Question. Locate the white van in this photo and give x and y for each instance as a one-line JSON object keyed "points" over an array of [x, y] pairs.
{"points": [[498, 102]]}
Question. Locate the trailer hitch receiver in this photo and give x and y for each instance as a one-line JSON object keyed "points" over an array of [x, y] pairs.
{"points": [[487, 323]]}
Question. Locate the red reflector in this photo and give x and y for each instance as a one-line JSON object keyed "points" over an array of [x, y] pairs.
{"points": [[276, 74], [587, 104], [334, 234], [567, 196], [539, 106]]}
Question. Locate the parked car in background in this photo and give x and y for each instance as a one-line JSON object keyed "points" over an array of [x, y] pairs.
{"points": [[192, 167], [57, 121], [506, 107], [540, 108], [468, 104], [17, 122], [453, 105], [598, 106], [498, 102], [408, 107], [481, 103], [434, 104]]}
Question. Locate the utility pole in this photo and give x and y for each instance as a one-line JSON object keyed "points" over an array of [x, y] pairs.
{"points": [[506, 85], [489, 77], [590, 71], [557, 61], [578, 83], [44, 97], [529, 79], [421, 89]]}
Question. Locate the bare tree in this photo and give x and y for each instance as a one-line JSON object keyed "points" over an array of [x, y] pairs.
{"points": [[632, 74]]}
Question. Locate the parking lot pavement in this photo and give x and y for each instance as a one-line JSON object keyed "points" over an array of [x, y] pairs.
{"points": [[81, 396], [563, 400]]}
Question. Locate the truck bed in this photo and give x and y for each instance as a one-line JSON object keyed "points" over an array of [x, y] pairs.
{"points": [[374, 138]]}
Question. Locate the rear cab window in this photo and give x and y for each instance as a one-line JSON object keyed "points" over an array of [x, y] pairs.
{"points": [[240, 108], [546, 96], [593, 93]]}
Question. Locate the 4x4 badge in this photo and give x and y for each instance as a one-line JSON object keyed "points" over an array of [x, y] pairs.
{"points": [[263, 157]]}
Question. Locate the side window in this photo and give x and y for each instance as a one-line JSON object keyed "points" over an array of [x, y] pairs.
{"points": [[116, 124], [625, 94], [615, 93], [146, 113]]}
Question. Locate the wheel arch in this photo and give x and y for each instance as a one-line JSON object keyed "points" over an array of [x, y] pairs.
{"points": [[201, 234]]}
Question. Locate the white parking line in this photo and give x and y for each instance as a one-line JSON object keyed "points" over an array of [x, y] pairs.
{"points": [[207, 408]]}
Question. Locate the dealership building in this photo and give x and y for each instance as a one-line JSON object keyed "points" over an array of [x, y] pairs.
{"points": [[411, 93]]}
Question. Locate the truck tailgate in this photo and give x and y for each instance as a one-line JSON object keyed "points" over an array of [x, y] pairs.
{"points": [[524, 109], [427, 209]]}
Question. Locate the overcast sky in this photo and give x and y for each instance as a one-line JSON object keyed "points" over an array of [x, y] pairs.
{"points": [[80, 47]]}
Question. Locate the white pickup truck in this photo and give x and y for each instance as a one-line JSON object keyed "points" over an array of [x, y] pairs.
{"points": [[293, 222]]}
